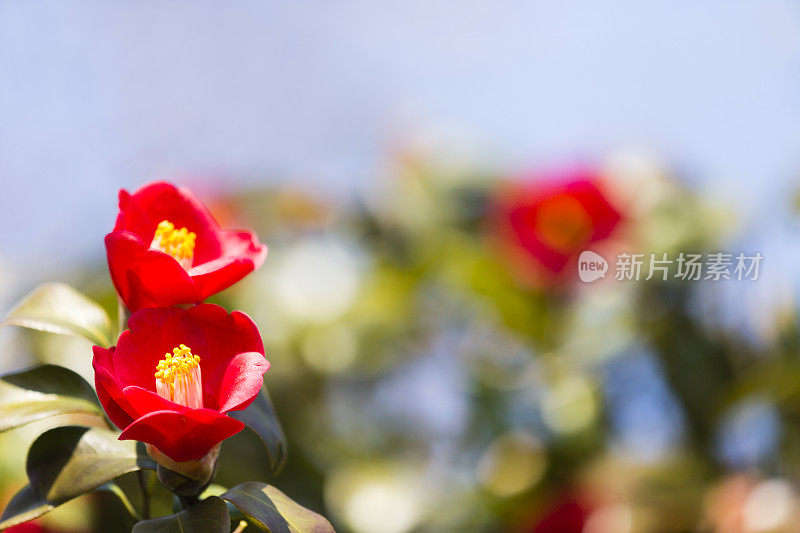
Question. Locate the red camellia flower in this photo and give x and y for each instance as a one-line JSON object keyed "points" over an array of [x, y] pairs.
{"points": [[167, 249], [175, 373], [543, 224]]}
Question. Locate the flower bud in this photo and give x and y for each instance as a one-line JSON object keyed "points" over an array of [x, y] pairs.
{"points": [[187, 479]]}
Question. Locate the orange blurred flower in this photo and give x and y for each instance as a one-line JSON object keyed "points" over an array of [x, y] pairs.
{"points": [[543, 222]]}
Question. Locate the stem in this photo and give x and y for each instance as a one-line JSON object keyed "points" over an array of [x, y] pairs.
{"points": [[122, 316], [188, 501], [145, 495]]}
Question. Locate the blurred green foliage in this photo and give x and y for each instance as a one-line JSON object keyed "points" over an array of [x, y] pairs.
{"points": [[423, 387]]}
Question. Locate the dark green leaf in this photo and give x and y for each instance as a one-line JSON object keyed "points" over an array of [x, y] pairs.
{"points": [[43, 391], [274, 510], [58, 308], [261, 418], [250, 499], [24, 506], [116, 490], [68, 461], [208, 516]]}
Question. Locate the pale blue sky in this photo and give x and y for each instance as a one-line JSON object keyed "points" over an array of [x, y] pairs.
{"points": [[97, 95]]}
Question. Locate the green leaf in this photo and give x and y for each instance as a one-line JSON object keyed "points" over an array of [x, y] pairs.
{"points": [[43, 391], [208, 516], [116, 490], [68, 461], [24, 506], [274, 510], [213, 490], [58, 308], [261, 418]]}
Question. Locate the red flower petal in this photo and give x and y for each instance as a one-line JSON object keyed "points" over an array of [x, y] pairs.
{"points": [[215, 276], [133, 218], [241, 254], [150, 278], [232, 363], [183, 436], [151, 333], [227, 334], [141, 212], [242, 243], [146, 401], [111, 398], [103, 358], [144, 277], [241, 381], [211, 332]]}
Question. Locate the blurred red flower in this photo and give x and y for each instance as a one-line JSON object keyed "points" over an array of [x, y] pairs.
{"points": [[175, 373], [167, 249], [26, 527], [33, 527], [542, 223], [567, 512], [566, 516]]}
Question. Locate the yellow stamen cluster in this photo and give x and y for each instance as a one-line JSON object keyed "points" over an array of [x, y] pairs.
{"points": [[178, 377], [179, 243], [179, 362]]}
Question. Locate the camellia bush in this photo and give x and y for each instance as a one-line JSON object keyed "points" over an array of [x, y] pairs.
{"points": [[177, 379]]}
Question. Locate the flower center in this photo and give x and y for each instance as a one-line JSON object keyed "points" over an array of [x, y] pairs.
{"points": [[563, 223], [179, 243], [178, 377]]}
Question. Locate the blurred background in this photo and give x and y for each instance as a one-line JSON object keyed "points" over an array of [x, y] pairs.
{"points": [[426, 175]]}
